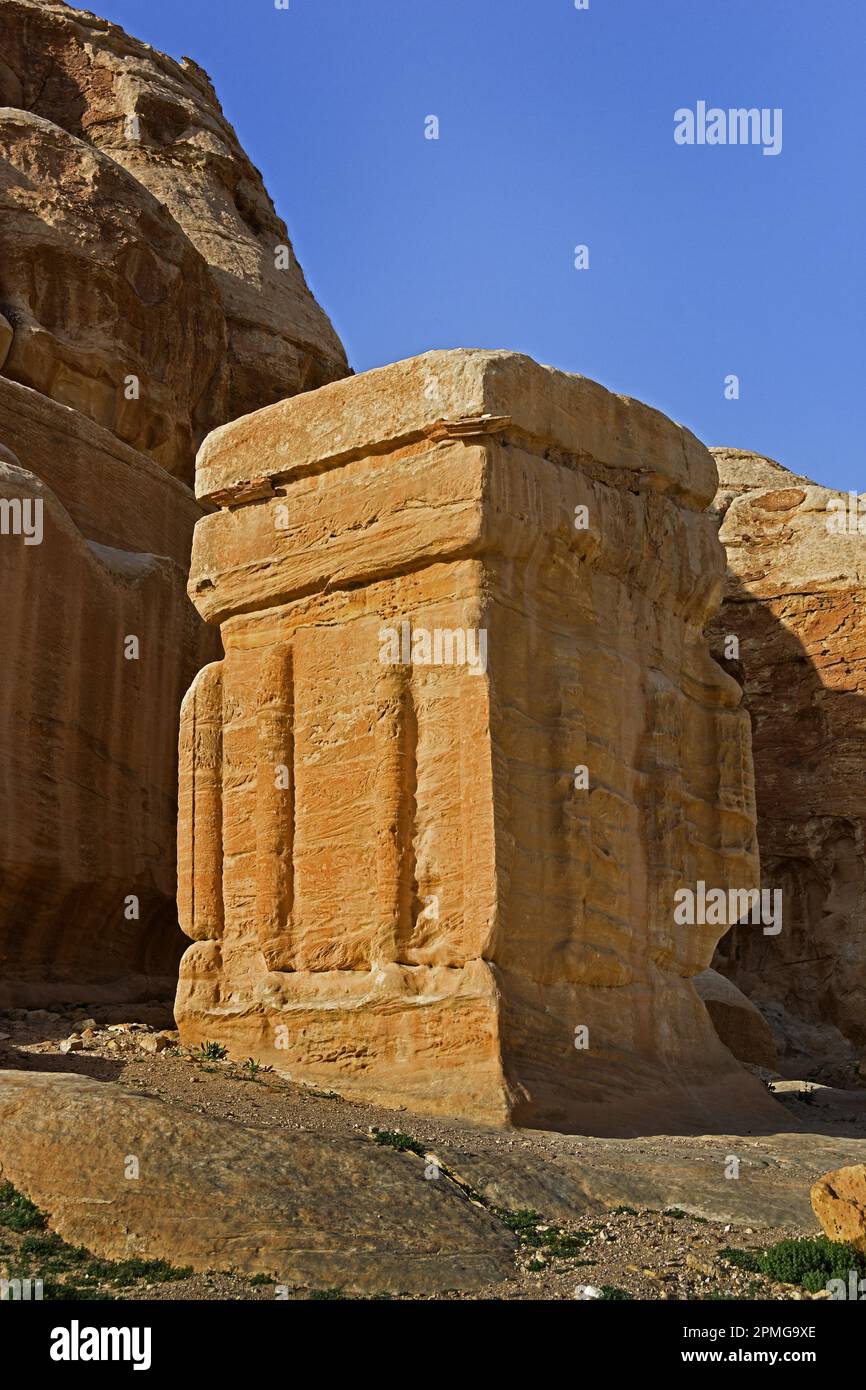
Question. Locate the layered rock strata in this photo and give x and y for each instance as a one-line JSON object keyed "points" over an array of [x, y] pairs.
{"points": [[466, 744]]}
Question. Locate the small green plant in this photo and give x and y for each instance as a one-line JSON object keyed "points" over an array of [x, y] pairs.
{"points": [[326, 1295], [395, 1139], [611, 1294], [212, 1051], [17, 1212], [742, 1259], [128, 1271], [810, 1262], [624, 1211], [677, 1214], [248, 1072], [534, 1233], [52, 1252]]}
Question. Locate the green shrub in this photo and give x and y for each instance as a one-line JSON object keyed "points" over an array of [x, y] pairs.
{"points": [[810, 1262], [43, 1252], [395, 1139], [17, 1213], [552, 1239], [128, 1271]]}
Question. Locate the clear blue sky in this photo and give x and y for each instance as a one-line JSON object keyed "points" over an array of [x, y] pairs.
{"points": [[556, 128]]}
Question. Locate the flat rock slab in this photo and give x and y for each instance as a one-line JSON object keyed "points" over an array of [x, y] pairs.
{"points": [[338, 1211], [772, 1189], [307, 1209]]}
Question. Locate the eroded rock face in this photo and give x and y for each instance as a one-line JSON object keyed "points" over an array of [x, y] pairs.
{"points": [[161, 120], [795, 602], [106, 293], [5, 338], [444, 588], [141, 303], [87, 739]]}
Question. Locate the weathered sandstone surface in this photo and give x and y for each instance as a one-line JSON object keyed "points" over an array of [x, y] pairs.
{"points": [[305, 1208], [5, 338], [106, 292], [839, 1200], [397, 878], [140, 305], [679, 1171], [740, 1025], [87, 741], [162, 122], [795, 600]]}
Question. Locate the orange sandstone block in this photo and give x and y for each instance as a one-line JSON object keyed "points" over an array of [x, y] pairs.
{"points": [[466, 742]]}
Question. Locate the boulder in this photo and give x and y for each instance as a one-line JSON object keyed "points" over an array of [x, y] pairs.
{"points": [[741, 1027], [686, 1173], [839, 1202]]}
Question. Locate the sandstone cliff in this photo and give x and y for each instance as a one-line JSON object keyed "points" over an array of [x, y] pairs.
{"points": [[795, 601], [263, 336], [86, 725], [105, 292], [140, 305]]}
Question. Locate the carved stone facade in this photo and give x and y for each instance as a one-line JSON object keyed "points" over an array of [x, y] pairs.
{"points": [[466, 743]]}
